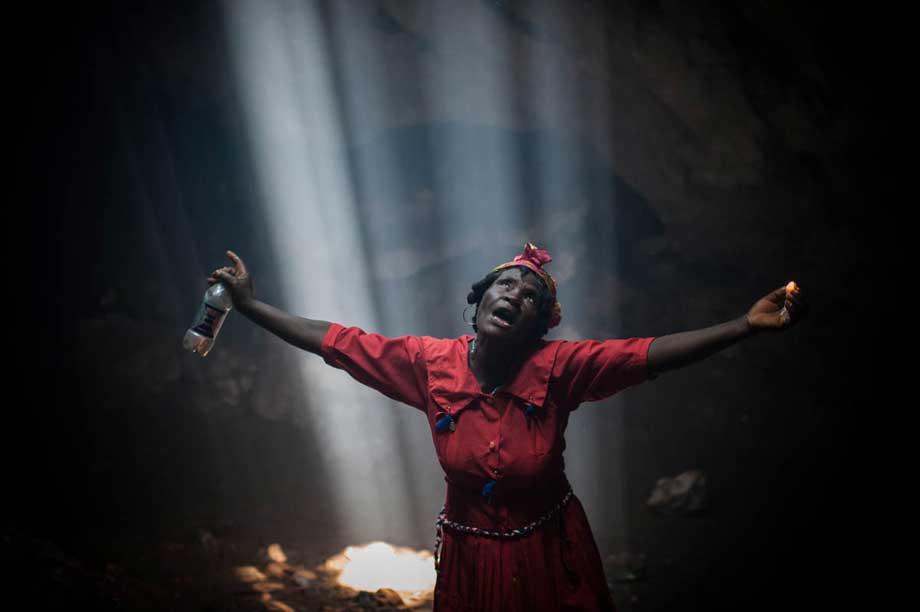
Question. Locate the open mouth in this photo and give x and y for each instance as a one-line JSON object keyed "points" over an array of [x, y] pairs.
{"points": [[503, 317]]}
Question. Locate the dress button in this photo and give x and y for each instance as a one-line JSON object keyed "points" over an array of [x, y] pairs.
{"points": [[497, 472], [491, 445]]}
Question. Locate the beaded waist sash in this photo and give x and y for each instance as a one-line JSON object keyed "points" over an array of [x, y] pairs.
{"points": [[518, 532]]}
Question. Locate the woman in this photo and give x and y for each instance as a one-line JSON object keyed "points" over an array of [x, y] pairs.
{"points": [[512, 536]]}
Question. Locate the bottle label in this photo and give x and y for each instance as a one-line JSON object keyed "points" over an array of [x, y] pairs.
{"points": [[209, 320]]}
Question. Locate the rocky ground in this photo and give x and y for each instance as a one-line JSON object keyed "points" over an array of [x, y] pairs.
{"points": [[197, 570]]}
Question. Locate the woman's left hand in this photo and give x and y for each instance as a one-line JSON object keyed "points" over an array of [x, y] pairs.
{"points": [[778, 310]]}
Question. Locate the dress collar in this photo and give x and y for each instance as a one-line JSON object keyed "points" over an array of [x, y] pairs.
{"points": [[453, 385]]}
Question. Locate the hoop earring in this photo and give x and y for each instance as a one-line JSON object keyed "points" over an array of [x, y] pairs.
{"points": [[463, 316]]}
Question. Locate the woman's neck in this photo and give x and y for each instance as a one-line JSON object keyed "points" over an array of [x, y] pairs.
{"points": [[493, 362]]}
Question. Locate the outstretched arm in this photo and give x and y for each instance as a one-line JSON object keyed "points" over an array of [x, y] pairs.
{"points": [[776, 311], [306, 334], [394, 366]]}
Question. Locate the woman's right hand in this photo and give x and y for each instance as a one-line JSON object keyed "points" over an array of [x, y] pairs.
{"points": [[236, 279]]}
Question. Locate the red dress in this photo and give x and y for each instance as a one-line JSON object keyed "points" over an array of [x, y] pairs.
{"points": [[502, 458]]}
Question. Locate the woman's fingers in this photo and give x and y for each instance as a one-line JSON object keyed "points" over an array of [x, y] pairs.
{"points": [[234, 278], [798, 299], [226, 269], [796, 303], [237, 263], [794, 307], [779, 309], [223, 275], [776, 296]]}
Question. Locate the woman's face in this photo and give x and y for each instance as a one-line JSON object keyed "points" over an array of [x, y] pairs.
{"points": [[510, 308]]}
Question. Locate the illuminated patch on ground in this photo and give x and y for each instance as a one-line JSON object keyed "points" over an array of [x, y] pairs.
{"points": [[381, 566]]}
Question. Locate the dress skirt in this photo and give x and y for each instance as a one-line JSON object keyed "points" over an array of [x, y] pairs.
{"points": [[555, 568]]}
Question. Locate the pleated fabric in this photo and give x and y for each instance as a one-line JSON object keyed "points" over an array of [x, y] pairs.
{"points": [[540, 572]]}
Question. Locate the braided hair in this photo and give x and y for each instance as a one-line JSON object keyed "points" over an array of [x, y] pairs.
{"points": [[544, 299]]}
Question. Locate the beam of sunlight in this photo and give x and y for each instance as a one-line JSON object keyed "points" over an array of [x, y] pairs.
{"points": [[483, 207], [481, 148], [565, 170], [295, 132]]}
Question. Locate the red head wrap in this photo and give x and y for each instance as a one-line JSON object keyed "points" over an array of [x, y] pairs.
{"points": [[533, 259]]}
